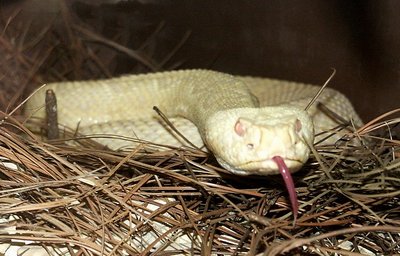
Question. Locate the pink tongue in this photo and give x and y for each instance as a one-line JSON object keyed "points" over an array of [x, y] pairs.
{"points": [[289, 184]]}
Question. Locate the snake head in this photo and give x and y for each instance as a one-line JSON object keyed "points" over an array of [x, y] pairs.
{"points": [[245, 140]]}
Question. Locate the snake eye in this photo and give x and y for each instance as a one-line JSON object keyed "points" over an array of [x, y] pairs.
{"points": [[240, 128], [298, 125], [250, 146]]}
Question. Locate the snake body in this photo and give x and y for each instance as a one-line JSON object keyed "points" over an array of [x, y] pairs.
{"points": [[244, 121], [214, 102]]}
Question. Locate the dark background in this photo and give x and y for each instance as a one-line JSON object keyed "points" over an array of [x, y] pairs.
{"points": [[293, 40]]}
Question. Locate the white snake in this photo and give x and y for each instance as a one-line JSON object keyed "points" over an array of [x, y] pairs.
{"points": [[246, 135]]}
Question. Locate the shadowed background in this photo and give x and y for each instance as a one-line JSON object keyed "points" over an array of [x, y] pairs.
{"points": [[292, 40]]}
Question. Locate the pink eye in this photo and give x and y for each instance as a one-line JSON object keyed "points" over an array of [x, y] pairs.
{"points": [[239, 128], [298, 125]]}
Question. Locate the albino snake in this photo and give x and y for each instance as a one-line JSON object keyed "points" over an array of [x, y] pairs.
{"points": [[245, 136]]}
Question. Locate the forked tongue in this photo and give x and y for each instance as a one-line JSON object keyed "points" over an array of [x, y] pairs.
{"points": [[287, 177]]}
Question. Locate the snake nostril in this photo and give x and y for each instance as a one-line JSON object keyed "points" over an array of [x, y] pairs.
{"points": [[298, 125]]}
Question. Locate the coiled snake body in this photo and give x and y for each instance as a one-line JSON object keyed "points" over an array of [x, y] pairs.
{"points": [[244, 121]]}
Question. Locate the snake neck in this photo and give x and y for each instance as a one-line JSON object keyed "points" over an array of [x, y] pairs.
{"points": [[205, 93]]}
